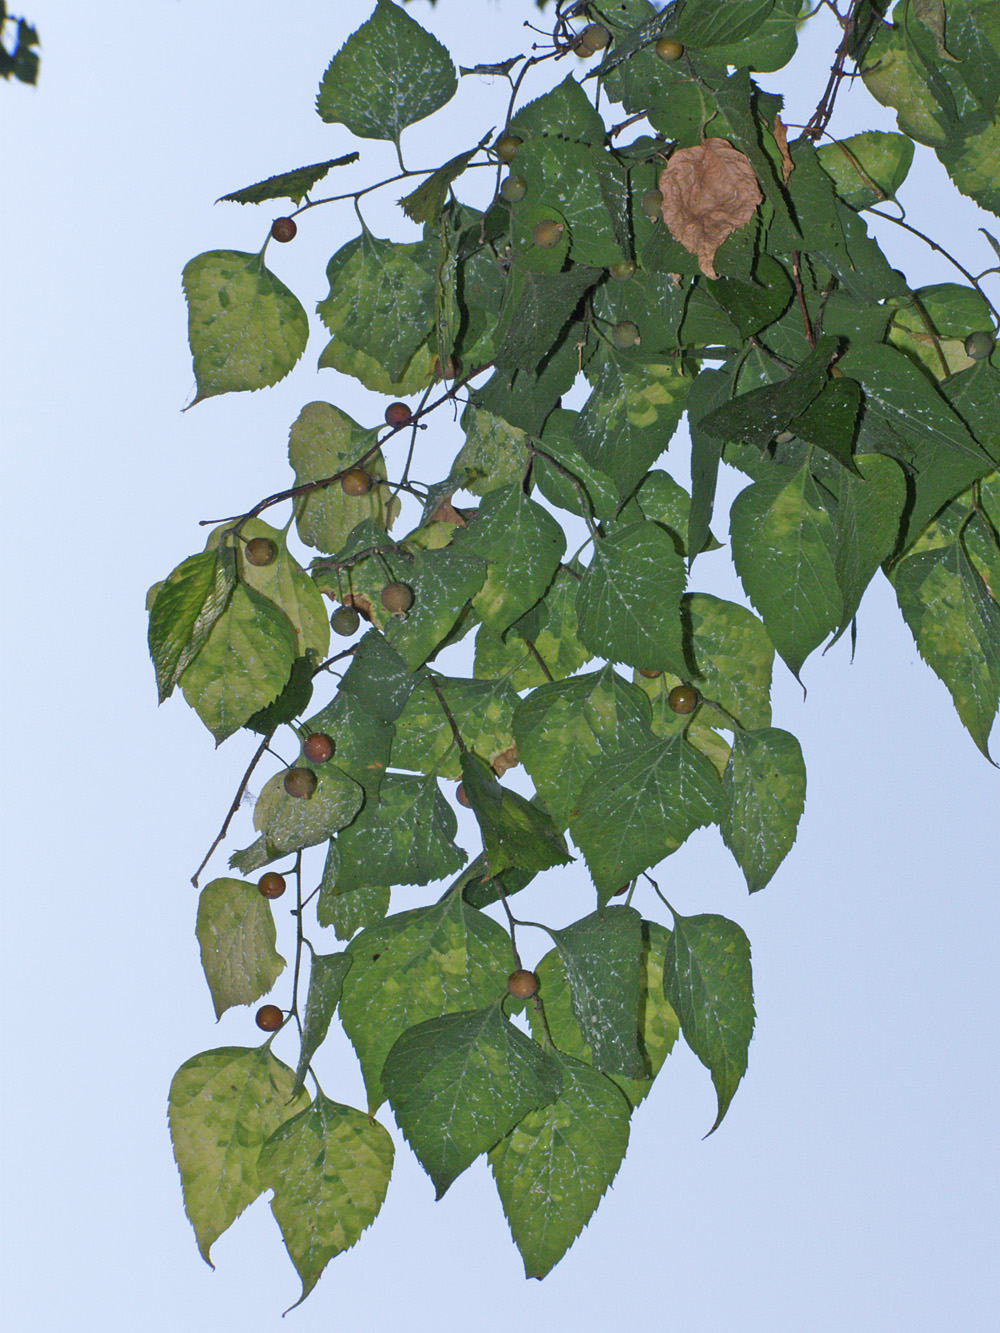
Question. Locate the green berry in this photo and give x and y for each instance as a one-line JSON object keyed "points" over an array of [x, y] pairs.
{"points": [[652, 204], [345, 621], [622, 271], [547, 233], [506, 147], [513, 189], [683, 699], [300, 783], [595, 37], [668, 48], [625, 334], [397, 598], [979, 346], [356, 481], [260, 551]]}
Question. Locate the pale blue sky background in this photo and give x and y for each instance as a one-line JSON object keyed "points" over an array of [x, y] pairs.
{"points": [[853, 1184]]}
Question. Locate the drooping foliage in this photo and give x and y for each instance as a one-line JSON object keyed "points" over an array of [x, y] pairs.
{"points": [[658, 248]]}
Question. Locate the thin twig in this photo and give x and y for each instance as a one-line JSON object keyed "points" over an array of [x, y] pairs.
{"points": [[261, 751]]}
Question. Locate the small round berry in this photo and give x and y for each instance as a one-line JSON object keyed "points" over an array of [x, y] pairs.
{"points": [[318, 747], [622, 271], [547, 233], [397, 598], [506, 147], [625, 334], [522, 984], [356, 481], [513, 189], [461, 797], [300, 782], [271, 885], [260, 551], [269, 1018], [345, 621], [595, 37], [649, 673], [284, 229], [668, 48], [398, 414], [683, 699], [651, 204], [979, 346]]}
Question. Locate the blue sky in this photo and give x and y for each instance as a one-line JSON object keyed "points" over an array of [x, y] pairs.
{"points": [[853, 1183]]}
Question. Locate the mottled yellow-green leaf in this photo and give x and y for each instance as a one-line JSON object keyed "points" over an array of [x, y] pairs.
{"points": [[290, 823], [223, 1105], [235, 931]]}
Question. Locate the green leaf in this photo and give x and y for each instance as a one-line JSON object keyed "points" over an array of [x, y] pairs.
{"points": [[223, 1104], [482, 710], [867, 519], [285, 583], [640, 806], [381, 301], [552, 641], [566, 731], [458, 1083], [707, 979], [522, 544], [553, 1168], [243, 665], [867, 168], [326, 980], [406, 835], [494, 453], [427, 200], [363, 739], [732, 656], [294, 185], [601, 955], [387, 75], [629, 420], [515, 833], [443, 583], [246, 329], [329, 1167], [763, 796], [564, 113], [414, 966], [706, 23], [235, 931], [657, 1025], [628, 604], [782, 549], [536, 307], [186, 607], [350, 912], [956, 624], [290, 823], [378, 677], [323, 441]]}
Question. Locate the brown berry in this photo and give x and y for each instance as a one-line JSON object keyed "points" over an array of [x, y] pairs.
{"points": [[547, 233], [345, 621], [683, 699], [260, 551], [461, 797], [269, 1018], [649, 674], [668, 48], [300, 782], [506, 147], [317, 748], [398, 414], [397, 598], [284, 229], [522, 984], [271, 885]]}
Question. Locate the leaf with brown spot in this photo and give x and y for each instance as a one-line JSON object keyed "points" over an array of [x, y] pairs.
{"points": [[709, 191], [504, 760]]}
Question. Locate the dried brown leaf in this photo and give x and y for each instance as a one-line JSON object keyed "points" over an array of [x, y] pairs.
{"points": [[781, 139], [504, 760], [709, 191]]}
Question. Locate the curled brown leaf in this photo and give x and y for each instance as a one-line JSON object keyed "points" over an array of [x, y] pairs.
{"points": [[709, 191]]}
